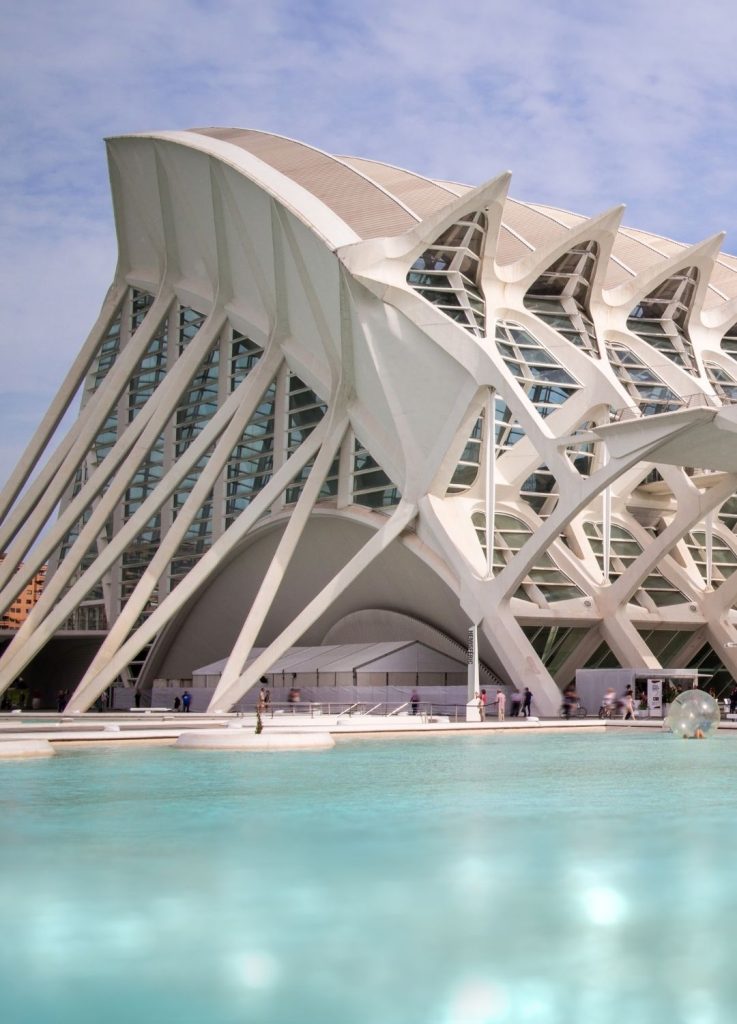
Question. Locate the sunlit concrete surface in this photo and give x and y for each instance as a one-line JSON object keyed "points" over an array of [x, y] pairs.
{"points": [[329, 401], [242, 739], [26, 747]]}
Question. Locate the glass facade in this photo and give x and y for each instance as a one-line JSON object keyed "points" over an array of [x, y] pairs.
{"points": [[666, 644], [661, 319], [251, 463], [624, 549], [713, 675], [555, 644], [723, 558], [643, 384], [545, 583], [467, 469], [448, 273], [539, 374], [371, 486], [540, 491], [723, 383], [560, 297]]}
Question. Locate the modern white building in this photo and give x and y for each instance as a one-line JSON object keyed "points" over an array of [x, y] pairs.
{"points": [[331, 401]]}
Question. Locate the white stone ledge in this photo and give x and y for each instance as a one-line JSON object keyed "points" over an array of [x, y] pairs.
{"points": [[241, 739], [25, 748]]}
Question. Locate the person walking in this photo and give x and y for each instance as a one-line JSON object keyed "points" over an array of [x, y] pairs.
{"points": [[501, 703], [515, 703], [414, 701], [527, 702], [482, 706], [570, 698], [186, 700], [628, 703]]}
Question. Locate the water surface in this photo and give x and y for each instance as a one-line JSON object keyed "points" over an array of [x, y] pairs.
{"points": [[458, 880]]}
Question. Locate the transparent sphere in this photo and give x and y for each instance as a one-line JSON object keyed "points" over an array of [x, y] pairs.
{"points": [[693, 713]]}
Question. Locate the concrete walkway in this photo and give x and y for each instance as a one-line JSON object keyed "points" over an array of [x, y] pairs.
{"points": [[167, 727]]}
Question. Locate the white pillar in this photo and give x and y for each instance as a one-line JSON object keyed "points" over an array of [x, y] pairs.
{"points": [[709, 533], [473, 661], [490, 478], [606, 522]]}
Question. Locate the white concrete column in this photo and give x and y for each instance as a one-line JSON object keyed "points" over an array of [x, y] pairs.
{"points": [[709, 536], [490, 478], [473, 662]]}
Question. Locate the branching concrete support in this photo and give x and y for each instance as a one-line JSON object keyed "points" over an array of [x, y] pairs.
{"points": [[46, 617], [162, 408], [39, 501], [280, 562], [402, 516], [246, 400], [62, 400], [205, 569]]}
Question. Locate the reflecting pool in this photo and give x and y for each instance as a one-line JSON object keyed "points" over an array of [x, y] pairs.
{"points": [[459, 880]]}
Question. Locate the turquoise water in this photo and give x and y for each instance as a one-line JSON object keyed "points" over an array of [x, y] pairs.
{"points": [[439, 881]]}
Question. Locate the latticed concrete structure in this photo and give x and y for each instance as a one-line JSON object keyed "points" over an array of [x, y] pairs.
{"points": [[329, 398]]}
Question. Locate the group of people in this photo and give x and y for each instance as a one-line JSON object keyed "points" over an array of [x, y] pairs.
{"points": [[183, 703], [520, 703]]}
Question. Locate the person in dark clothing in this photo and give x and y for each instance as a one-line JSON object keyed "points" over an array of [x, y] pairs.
{"points": [[733, 702], [569, 700], [515, 702], [414, 701], [527, 702], [186, 700]]}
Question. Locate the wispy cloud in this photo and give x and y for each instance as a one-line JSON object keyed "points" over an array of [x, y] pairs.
{"points": [[588, 104]]}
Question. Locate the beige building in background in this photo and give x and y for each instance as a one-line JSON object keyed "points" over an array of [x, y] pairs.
{"points": [[15, 615]]}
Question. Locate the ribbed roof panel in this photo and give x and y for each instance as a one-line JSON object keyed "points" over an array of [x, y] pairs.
{"points": [[666, 246], [571, 220], [422, 195], [724, 279], [510, 248], [364, 207], [536, 228], [616, 274], [635, 254]]}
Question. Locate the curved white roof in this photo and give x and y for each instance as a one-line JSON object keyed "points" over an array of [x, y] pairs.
{"points": [[377, 199]]}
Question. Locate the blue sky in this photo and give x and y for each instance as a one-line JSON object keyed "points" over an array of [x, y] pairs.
{"points": [[588, 104]]}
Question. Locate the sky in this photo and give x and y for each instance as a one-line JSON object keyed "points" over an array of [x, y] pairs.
{"points": [[588, 104]]}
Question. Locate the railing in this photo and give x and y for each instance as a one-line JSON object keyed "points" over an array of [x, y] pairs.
{"points": [[384, 709], [349, 710], [697, 400]]}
